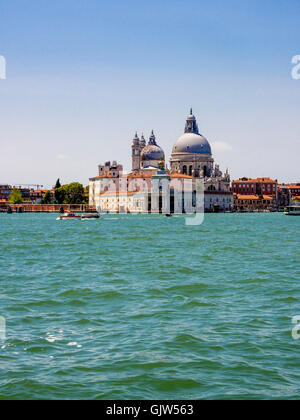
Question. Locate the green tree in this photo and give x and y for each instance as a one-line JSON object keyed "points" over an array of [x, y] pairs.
{"points": [[58, 184], [47, 198], [15, 196], [74, 193], [59, 195]]}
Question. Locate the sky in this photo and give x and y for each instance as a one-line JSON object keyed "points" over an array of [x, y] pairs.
{"points": [[83, 75]]}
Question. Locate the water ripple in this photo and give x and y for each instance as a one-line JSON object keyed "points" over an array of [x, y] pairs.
{"points": [[143, 307]]}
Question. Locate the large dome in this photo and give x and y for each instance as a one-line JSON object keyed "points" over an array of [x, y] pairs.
{"points": [[192, 143], [152, 152]]}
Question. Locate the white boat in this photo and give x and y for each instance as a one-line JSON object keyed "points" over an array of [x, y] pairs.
{"points": [[72, 216], [292, 211], [68, 215]]}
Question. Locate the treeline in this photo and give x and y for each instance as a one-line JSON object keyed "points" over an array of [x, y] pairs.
{"points": [[73, 193]]}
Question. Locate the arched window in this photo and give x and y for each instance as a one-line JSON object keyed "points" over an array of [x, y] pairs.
{"points": [[205, 171], [191, 170], [184, 170]]}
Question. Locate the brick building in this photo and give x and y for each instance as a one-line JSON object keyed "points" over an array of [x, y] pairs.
{"points": [[5, 191], [294, 191], [28, 195], [259, 194]]}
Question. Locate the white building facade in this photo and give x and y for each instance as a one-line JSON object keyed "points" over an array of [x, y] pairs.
{"points": [[150, 187]]}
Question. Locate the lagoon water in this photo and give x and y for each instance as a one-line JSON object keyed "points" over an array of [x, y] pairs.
{"points": [[144, 307]]}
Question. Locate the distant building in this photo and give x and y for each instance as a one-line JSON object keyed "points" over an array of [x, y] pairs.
{"points": [[36, 196], [294, 191], [28, 195], [110, 170], [283, 196], [288, 194], [191, 160], [254, 203], [5, 191], [258, 186], [255, 194]]}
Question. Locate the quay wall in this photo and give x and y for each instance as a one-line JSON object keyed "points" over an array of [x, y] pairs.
{"points": [[47, 208]]}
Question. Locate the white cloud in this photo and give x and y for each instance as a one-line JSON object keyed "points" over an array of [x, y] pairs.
{"points": [[62, 157], [221, 146]]}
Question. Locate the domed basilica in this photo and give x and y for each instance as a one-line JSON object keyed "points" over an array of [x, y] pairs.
{"points": [[191, 159], [191, 156]]}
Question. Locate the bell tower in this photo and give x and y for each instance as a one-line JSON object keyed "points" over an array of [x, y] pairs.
{"points": [[136, 153]]}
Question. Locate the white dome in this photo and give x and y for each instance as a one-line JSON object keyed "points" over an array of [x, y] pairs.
{"points": [[192, 143]]}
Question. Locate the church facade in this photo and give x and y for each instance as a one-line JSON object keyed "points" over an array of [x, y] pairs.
{"points": [[191, 162]]}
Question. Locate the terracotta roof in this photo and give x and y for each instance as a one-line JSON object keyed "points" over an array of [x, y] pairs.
{"points": [[254, 197], [246, 197], [41, 191], [181, 176], [137, 176], [256, 180]]}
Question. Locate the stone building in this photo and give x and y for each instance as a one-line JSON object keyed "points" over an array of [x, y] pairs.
{"points": [[191, 161]]}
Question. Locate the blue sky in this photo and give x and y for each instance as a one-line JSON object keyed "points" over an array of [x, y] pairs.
{"points": [[82, 76]]}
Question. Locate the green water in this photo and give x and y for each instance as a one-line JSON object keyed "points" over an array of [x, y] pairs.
{"points": [[144, 307]]}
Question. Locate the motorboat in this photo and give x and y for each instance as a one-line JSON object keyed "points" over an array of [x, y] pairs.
{"points": [[87, 216], [73, 216], [69, 216], [292, 211]]}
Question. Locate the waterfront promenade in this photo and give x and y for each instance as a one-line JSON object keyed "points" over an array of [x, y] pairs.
{"points": [[46, 208]]}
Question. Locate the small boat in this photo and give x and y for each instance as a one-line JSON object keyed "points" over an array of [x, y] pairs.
{"points": [[86, 216], [69, 216], [292, 211], [168, 215]]}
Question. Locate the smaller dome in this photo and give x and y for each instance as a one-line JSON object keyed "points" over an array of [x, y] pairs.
{"points": [[152, 152]]}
